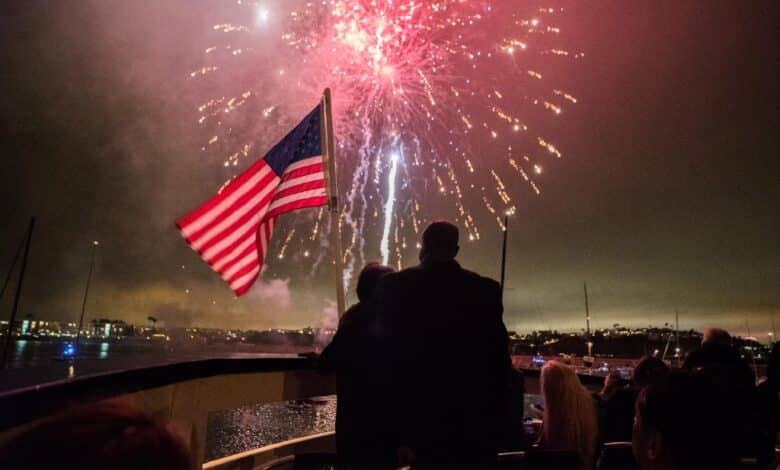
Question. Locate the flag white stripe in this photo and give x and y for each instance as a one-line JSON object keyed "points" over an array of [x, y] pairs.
{"points": [[215, 211], [223, 243], [245, 279], [294, 197], [233, 217], [233, 254], [303, 163], [301, 180], [263, 239], [266, 228], [250, 258]]}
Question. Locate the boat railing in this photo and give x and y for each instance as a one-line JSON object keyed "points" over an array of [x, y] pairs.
{"points": [[183, 393], [187, 393]]}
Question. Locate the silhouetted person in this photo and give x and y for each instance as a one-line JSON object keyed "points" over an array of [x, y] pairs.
{"points": [[513, 437], [97, 437], [686, 424], [717, 351], [716, 336], [618, 409], [720, 359], [444, 355], [359, 427], [769, 405]]}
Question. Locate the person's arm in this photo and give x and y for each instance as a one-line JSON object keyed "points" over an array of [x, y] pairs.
{"points": [[332, 356], [612, 384], [499, 360], [328, 358], [499, 332]]}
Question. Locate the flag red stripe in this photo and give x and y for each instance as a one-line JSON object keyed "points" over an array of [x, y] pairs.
{"points": [[241, 272], [299, 188], [242, 290], [243, 285], [241, 203], [246, 241], [299, 204], [213, 258], [244, 222], [227, 191], [306, 170], [248, 251]]}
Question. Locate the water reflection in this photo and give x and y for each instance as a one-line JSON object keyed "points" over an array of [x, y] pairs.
{"points": [[248, 427], [21, 345], [103, 350]]}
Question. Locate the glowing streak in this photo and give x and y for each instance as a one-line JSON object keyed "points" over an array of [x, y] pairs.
{"points": [[384, 246]]}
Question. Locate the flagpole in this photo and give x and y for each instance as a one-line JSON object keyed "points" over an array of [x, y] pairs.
{"points": [[333, 204], [13, 265], [86, 292]]}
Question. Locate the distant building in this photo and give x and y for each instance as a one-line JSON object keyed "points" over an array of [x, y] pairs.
{"points": [[105, 328]]}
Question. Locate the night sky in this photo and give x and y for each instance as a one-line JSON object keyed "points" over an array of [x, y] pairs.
{"points": [[667, 196]]}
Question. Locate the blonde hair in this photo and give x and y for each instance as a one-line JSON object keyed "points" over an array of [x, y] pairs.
{"points": [[570, 418]]}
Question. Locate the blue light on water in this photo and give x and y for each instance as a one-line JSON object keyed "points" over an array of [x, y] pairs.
{"points": [[103, 350], [68, 349]]}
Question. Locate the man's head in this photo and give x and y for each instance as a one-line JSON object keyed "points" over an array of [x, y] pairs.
{"points": [[681, 424], [650, 370], [439, 242], [368, 279], [716, 336]]}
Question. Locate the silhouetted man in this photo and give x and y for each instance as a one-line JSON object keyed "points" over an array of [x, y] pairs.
{"points": [[686, 423], [618, 410], [361, 440], [769, 403], [718, 357], [444, 355]]}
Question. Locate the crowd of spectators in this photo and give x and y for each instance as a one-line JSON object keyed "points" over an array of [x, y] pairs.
{"points": [[444, 413], [402, 402]]}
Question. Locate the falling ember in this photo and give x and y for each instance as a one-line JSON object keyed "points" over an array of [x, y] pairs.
{"points": [[450, 90]]}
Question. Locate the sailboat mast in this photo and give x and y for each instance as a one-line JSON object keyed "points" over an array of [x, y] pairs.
{"points": [[587, 311], [12, 320]]}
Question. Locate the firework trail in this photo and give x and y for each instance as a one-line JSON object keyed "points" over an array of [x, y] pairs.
{"points": [[384, 245], [441, 108]]}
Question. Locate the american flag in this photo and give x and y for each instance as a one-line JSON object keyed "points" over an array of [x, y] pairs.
{"points": [[231, 231]]}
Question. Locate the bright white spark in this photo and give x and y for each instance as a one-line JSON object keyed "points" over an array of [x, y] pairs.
{"points": [[384, 247]]}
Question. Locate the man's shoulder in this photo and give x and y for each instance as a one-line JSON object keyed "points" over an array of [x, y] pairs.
{"points": [[350, 317], [486, 282], [351, 313], [416, 274], [402, 275]]}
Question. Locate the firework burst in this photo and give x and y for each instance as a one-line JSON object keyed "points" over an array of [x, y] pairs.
{"points": [[441, 109]]}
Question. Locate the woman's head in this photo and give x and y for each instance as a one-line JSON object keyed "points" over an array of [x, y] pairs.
{"points": [[105, 435], [570, 420], [557, 379], [369, 278], [650, 370]]}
